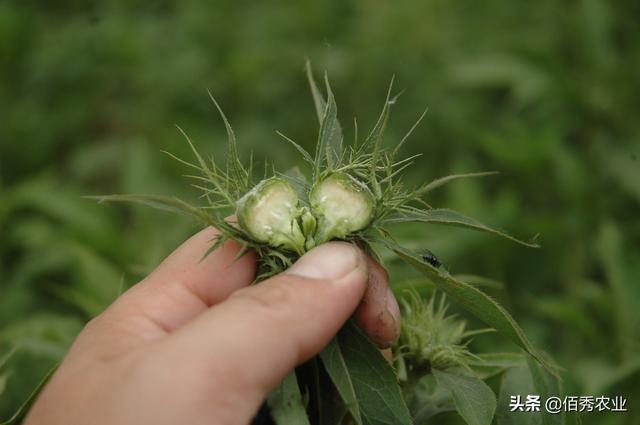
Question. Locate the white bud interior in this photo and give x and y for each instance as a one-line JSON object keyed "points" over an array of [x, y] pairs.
{"points": [[344, 205], [273, 211]]}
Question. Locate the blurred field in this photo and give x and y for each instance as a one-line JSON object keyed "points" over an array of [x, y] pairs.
{"points": [[545, 92]]}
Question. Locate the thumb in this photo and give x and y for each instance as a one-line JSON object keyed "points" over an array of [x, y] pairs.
{"points": [[262, 332]]}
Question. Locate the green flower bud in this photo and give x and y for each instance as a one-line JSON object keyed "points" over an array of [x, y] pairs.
{"points": [[309, 225], [269, 213], [341, 205]]}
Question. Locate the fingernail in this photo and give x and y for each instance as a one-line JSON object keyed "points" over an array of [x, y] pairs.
{"points": [[332, 260], [393, 310]]}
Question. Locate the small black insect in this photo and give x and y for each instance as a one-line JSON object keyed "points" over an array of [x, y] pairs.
{"points": [[429, 257]]}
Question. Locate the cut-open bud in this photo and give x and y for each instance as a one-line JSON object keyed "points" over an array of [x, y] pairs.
{"points": [[341, 205], [269, 213]]}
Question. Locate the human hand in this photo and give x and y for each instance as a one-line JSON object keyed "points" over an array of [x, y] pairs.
{"points": [[194, 343]]}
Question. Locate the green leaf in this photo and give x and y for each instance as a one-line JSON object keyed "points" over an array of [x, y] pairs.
{"points": [[487, 365], [6, 357], [517, 381], [22, 409], [236, 170], [285, 403], [165, 203], [318, 98], [374, 140], [430, 399], [396, 149], [329, 145], [474, 400], [500, 360], [523, 380], [446, 179], [472, 299], [325, 401], [546, 385], [480, 281], [376, 387], [450, 218], [335, 365], [3, 381], [305, 155]]}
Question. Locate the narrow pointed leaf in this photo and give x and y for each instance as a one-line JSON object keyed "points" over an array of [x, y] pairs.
{"points": [[375, 136], [318, 98], [374, 141], [215, 244], [329, 145], [446, 179], [451, 218], [24, 407], [473, 300], [409, 133], [6, 357], [474, 400], [285, 403], [165, 203], [201, 161], [330, 138], [234, 165], [4, 377], [487, 365], [336, 367], [374, 381], [305, 155]]}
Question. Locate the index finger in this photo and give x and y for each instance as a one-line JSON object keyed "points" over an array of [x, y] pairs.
{"points": [[182, 287]]}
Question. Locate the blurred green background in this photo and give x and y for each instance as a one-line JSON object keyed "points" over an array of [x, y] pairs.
{"points": [[546, 92]]}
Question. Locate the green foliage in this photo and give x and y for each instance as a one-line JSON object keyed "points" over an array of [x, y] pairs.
{"points": [[473, 398], [91, 92], [340, 206], [517, 381], [450, 218], [285, 403], [476, 302], [336, 366], [374, 381], [429, 337], [523, 379]]}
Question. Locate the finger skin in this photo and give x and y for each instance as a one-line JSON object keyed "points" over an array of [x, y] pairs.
{"points": [[199, 364], [182, 287], [253, 340], [212, 278], [378, 314]]}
